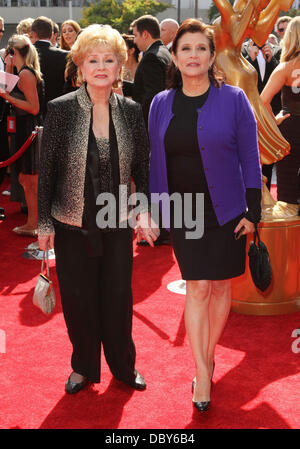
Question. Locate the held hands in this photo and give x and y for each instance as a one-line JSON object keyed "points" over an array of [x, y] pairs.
{"points": [[46, 241], [247, 226], [146, 228]]}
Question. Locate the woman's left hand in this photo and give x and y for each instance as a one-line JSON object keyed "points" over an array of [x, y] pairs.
{"points": [[248, 226], [281, 117], [146, 228]]}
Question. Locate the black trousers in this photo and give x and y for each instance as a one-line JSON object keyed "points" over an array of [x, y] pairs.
{"points": [[96, 299]]}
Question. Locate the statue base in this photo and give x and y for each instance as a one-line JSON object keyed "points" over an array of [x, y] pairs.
{"points": [[282, 238]]}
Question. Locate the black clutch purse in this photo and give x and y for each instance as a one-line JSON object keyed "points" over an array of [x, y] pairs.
{"points": [[259, 263]]}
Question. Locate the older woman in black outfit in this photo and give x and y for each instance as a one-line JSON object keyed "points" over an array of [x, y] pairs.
{"points": [[93, 142]]}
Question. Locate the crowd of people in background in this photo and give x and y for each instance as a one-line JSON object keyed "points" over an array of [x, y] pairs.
{"points": [[156, 78]]}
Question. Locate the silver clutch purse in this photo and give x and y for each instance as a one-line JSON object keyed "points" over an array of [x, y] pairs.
{"points": [[44, 295]]}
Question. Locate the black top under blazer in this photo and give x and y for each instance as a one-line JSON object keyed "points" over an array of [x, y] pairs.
{"points": [[63, 158]]}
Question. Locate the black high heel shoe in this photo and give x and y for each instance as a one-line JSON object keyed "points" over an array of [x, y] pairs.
{"points": [[201, 406]]}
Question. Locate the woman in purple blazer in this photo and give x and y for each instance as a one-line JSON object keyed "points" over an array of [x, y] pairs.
{"points": [[203, 139]]}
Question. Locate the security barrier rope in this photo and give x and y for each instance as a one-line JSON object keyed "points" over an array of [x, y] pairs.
{"points": [[21, 151]]}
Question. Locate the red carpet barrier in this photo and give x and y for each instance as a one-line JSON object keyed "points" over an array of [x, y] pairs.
{"points": [[20, 152]]}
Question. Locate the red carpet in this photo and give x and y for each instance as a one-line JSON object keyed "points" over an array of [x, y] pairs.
{"points": [[256, 382]]}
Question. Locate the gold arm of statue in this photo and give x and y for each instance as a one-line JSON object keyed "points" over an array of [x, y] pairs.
{"points": [[267, 19], [247, 18]]}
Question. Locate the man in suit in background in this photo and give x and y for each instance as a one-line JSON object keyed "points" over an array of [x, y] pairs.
{"points": [[150, 76], [52, 59]]}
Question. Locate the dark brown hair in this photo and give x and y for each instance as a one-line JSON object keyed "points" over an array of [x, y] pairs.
{"points": [[129, 39], [147, 23], [174, 79], [42, 26]]}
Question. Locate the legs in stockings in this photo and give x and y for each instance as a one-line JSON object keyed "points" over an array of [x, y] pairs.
{"points": [[206, 312]]}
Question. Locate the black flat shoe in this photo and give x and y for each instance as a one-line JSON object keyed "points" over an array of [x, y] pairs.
{"points": [[201, 406], [138, 383], [75, 387]]}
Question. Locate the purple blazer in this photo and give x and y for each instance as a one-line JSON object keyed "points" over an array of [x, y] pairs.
{"points": [[227, 138]]}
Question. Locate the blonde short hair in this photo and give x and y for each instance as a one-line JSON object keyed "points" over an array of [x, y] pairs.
{"points": [[24, 27], [94, 36], [291, 41]]}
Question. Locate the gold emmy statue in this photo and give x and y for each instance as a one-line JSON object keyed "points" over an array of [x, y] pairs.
{"points": [[280, 225]]}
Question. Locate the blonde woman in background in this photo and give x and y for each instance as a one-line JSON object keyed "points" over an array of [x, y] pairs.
{"points": [[25, 100], [286, 78], [24, 26]]}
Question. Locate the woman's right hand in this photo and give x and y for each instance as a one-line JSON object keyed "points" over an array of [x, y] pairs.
{"points": [[46, 241]]}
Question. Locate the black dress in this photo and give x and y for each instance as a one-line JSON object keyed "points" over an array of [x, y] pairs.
{"points": [[25, 124], [287, 169], [216, 255]]}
